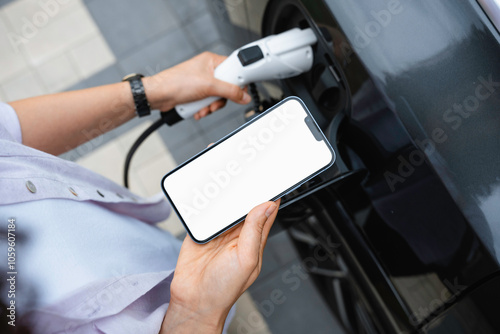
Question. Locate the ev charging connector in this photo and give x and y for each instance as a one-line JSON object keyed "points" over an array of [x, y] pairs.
{"points": [[274, 57], [278, 56]]}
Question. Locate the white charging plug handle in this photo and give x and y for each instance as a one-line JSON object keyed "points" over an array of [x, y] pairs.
{"points": [[281, 56]]}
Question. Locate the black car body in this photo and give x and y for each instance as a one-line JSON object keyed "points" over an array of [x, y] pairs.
{"points": [[408, 92]]}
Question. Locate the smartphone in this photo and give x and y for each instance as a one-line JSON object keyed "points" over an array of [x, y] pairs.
{"points": [[260, 161]]}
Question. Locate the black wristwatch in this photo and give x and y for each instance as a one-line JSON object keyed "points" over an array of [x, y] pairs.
{"points": [[142, 107]]}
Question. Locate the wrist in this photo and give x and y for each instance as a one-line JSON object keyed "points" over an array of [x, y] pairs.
{"points": [[159, 94], [181, 319]]}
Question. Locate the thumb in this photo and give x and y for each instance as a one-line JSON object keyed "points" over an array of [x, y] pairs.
{"points": [[256, 228], [229, 91]]}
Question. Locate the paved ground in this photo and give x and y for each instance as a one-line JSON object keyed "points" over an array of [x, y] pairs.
{"points": [[50, 46]]}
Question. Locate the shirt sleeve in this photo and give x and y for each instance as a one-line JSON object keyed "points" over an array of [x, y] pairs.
{"points": [[9, 123]]}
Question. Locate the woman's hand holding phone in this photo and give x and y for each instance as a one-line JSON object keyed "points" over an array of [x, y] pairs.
{"points": [[210, 278]]}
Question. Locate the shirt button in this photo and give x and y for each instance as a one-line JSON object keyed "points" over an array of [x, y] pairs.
{"points": [[31, 187], [71, 190]]}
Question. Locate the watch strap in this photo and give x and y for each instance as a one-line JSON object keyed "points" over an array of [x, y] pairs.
{"points": [[142, 107]]}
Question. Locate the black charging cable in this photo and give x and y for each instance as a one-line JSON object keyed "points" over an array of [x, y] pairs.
{"points": [[165, 116], [170, 118], [254, 93]]}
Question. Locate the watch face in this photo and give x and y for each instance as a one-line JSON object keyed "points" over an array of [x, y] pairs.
{"points": [[132, 76]]}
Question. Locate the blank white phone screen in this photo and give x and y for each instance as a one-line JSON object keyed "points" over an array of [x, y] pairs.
{"points": [[273, 154]]}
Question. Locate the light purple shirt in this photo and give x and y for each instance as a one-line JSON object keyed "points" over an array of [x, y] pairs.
{"points": [[105, 270], [57, 178]]}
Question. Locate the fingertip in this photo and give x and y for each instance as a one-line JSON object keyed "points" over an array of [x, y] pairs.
{"points": [[258, 215], [246, 98], [271, 209]]}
